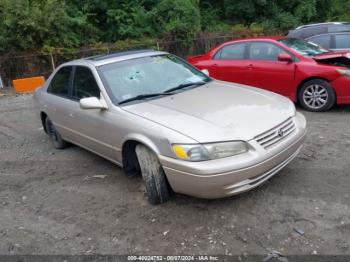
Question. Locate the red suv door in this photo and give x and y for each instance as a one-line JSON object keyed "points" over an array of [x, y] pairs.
{"points": [[230, 64], [265, 71]]}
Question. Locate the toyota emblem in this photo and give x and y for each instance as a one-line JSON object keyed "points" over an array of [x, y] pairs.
{"points": [[280, 132]]}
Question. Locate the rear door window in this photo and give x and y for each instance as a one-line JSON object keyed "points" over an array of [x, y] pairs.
{"points": [[61, 81], [84, 84], [342, 41], [231, 52], [322, 40]]}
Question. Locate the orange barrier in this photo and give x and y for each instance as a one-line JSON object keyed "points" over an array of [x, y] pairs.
{"points": [[27, 85]]}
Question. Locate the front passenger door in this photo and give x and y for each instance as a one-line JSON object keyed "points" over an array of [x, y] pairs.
{"points": [[92, 127], [265, 71]]}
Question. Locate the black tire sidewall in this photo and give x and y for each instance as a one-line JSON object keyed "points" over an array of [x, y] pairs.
{"points": [[156, 183], [331, 95], [59, 143]]}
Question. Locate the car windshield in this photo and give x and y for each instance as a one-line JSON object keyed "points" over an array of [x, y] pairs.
{"points": [[303, 47], [148, 77]]}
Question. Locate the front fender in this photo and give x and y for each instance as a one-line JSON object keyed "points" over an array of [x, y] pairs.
{"points": [[143, 140]]}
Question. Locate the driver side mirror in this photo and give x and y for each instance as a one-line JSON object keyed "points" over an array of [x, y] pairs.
{"points": [[285, 58], [91, 103], [205, 71]]}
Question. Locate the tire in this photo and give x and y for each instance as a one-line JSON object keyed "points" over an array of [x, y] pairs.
{"points": [[55, 136], [157, 188], [317, 95]]}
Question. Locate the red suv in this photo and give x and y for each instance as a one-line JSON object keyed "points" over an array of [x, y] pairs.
{"points": [[305, 72]]}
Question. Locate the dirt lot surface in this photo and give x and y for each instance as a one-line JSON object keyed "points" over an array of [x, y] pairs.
{"points": [[74, 202]]}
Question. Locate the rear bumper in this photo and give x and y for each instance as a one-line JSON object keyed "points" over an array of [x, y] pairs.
{"points": [[206, 180]]}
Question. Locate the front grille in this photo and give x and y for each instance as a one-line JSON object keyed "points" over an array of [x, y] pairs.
{"points": [[276, 134]]}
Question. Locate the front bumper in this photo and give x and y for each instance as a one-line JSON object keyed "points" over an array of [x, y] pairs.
{"points": [[342, 88], [233, 175]]}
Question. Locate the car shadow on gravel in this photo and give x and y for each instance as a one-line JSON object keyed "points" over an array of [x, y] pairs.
{"points": [[335, 109]]}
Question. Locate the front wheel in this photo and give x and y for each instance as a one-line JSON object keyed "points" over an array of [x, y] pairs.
{"points": [[153, 175], [316, 95]]}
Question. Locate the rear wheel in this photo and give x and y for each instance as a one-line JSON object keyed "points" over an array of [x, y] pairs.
{"points": [[317, 95], [153, 175], [55, 136]]}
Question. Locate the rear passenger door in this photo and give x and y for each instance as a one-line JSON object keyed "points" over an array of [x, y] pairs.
{"points": [[58, 100], [230, 64], [265, 71]]}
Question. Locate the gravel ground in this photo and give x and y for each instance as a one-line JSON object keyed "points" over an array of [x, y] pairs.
{"points": [[74, 202]]}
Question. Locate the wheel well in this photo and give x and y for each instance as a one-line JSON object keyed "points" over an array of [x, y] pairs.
{"points": [[130, 162], [308, 79], [43, 116]]}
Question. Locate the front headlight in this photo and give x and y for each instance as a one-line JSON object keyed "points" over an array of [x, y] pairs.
{"points": [[202, 152], [344, 72]]}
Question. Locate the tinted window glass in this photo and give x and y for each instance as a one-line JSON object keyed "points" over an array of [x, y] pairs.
{"points": [[322, 40], [264, 51], [342, 41], [60, 82], [235, 51], [84, 84], [339, 28], [315, 30]]}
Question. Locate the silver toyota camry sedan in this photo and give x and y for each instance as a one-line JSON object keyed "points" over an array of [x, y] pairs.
{"points": [[153, 114]]}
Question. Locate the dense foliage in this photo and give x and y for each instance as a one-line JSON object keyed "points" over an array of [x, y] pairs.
{"points": [[48, 24]]}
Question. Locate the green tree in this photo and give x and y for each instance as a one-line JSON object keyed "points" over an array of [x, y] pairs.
{"points": [[49, 24], [179, 19], [129, 20], [34, 24]]}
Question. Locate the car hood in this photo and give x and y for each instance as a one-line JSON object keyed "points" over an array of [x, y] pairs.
{"points": [[334, 58], [217, 111]]}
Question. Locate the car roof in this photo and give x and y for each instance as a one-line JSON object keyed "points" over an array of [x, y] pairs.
{"points": [[117, 54], [269, 38], [103, 59], [319, 24]]}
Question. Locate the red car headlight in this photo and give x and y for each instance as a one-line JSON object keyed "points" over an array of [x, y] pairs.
{"points": [[344, 72]]}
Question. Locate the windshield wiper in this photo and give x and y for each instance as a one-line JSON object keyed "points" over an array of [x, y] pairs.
{"points": [[184, 85], [144, 96], [166, 92]]}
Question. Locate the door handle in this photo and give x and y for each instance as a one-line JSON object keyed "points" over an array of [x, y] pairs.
{"points": [[250, 66], [71, 115]]}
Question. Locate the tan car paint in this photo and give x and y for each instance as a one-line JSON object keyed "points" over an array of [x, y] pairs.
{"points": [[217, 111]]}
